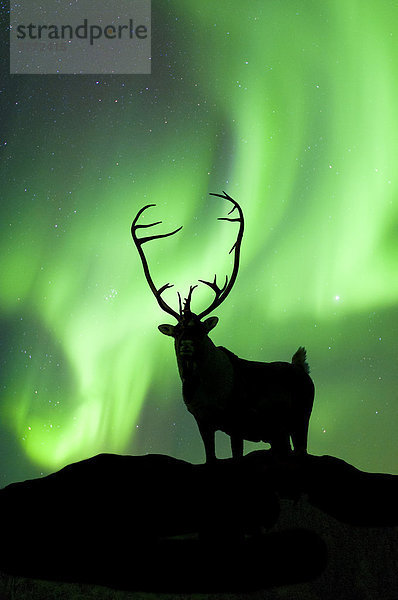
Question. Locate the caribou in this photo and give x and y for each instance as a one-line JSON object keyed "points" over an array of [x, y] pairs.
{"points": [[247, 400]]}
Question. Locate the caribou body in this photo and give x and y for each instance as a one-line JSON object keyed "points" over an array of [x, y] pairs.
{"points": [[248, 400]]}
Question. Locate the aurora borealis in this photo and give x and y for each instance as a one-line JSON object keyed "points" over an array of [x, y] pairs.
{"points": [[291, 107]]}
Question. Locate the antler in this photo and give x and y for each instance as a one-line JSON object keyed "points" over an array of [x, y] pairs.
{"points": [[139, 242], [222, 293], [186, 308]]}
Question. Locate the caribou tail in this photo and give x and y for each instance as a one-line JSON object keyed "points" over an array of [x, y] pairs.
{"points": [[300, 359]]}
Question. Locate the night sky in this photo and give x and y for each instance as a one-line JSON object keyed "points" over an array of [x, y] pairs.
{"points": [[291, 108]]}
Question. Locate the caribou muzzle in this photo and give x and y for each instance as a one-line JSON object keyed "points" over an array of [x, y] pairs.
{"points": [[186, 348]]}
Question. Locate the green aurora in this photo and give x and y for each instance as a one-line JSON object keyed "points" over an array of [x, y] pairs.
{"points": [[291, 107]]}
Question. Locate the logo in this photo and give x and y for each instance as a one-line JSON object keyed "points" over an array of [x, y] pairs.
{"points": [[80, 37]]}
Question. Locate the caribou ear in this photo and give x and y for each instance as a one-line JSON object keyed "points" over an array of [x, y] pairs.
{"points": [[210, 323], [167, 329]]}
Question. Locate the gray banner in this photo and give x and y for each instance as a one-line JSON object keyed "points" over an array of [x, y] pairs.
{"points": [[81, 37]]}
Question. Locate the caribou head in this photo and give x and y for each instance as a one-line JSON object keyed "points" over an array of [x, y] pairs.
{"points": [[191, 332]]}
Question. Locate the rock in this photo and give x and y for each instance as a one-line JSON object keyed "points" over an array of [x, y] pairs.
{"points": [[118, 520]]}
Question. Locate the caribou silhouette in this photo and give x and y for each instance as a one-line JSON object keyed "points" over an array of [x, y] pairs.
{"points": [[248, 400]]}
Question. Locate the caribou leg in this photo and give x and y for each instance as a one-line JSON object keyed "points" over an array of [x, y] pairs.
{"points": [[300, 436], [208, 437], [237, 446], [280, 445]]}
